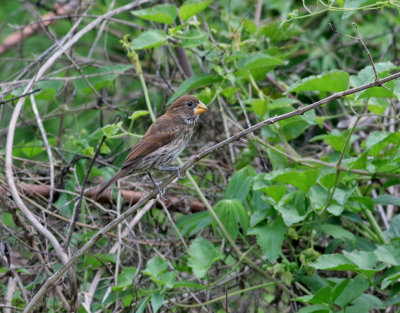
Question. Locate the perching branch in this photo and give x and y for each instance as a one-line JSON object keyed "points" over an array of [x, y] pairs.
{"points": [[56, 276]]}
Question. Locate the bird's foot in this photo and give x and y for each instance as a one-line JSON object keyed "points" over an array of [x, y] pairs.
{"points": [[177, 170], [160, 191], [157, 185]]}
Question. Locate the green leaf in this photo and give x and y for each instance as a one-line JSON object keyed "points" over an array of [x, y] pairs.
{"points": [[386, 200], [332, 81], [161, 13], [149, 39], [193, 223], [196, 81], [321, 296], [190, 8], [256, 60], [276, 32], [363, 259], [394, 229], [155, 266], [238, 186], [100, 77], [367, 75], [143, 304], [353, 289], [367, 302], [316, 308], [270, 238], [389, 253], [202, 254], [157, 301], [193, 38], [99, 259], [336, 139], [7, 219], [336, 262], [111, 129], [338, 232], [188, 284], [125, 278], [231, 212], [300, 179], [137, 114]]}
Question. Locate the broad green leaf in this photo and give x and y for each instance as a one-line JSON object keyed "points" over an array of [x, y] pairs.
{"points": [[202, 254], [157, 301], [363, 259], [316, 308], [193, 38], [196, 81], [167, 279], [376, 143], [238, 186], [321, 296], [270, 238], [99, 259], [336, 139], [7, 219], [386, 200], [143, 304], [49, 89], [336, 262], [367, 302], [100, 77], [193, 223], [111, 129], [231, 212], [192, 7], [125, 278], [367, 75], [155, 266], [256, 60], [332, 81], [354, 288], [259, 106], [276, 32], [293, 127], [292, 207], [389, 279], [394, 229], [161, 13], [29, 149], [389, 253], [302, 179], [149, 39]]}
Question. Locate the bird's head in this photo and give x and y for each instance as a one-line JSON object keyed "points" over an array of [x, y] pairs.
{"points": [[187, 109]]}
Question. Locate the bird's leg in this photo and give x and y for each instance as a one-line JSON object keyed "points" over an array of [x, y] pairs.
{"points": [[157, 185], [177, 169]]}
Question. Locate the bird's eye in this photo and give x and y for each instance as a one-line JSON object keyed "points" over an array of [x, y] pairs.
{"points": [[189, 104]]}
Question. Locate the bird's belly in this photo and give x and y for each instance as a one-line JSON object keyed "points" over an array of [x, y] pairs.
{"points": [[163, 155]]}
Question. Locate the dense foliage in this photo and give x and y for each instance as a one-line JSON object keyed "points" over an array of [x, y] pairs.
{"points": [[299, 216]]}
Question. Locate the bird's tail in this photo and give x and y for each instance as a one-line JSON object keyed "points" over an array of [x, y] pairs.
{"points": [[107, 184]]}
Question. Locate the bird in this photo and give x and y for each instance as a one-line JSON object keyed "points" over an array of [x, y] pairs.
{"points": [[164, 141]]}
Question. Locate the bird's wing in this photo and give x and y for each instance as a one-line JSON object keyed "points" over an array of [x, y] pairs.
{"points": [[161, 133]]}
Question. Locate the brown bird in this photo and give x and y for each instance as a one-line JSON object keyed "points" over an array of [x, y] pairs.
{"points": [[162, 143]]}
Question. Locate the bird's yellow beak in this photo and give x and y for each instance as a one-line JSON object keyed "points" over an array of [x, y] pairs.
{"points": [[200, 108]]}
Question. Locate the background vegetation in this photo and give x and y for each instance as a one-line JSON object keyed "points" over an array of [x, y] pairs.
{"points": [[301, 215]]}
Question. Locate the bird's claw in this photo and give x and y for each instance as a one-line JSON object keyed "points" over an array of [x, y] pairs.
{"points": [[160, 191], [178, 173]]}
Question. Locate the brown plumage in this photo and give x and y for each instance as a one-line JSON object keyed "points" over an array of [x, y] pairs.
{"points": [[162, 142]]}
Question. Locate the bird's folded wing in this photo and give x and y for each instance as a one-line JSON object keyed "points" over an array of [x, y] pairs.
{"points": [[159, 134]]}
